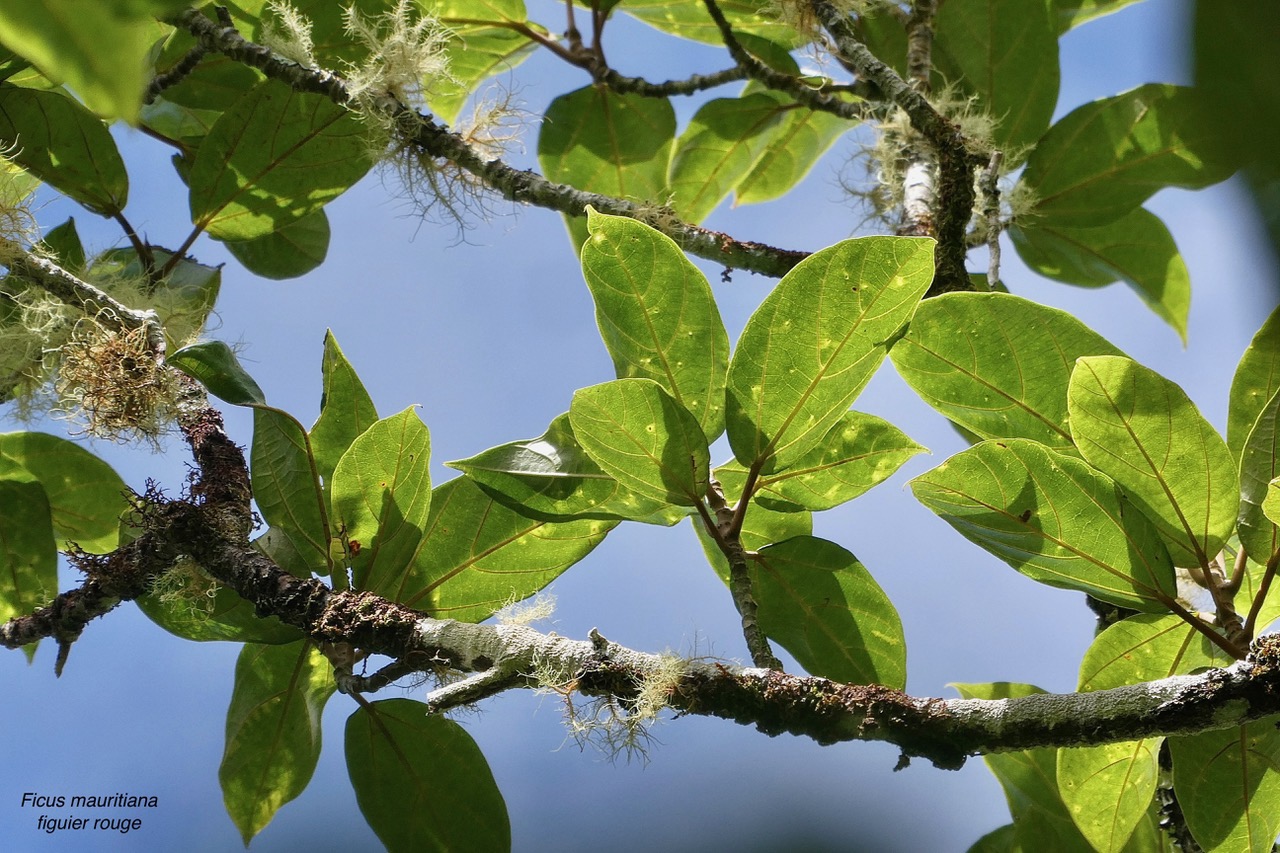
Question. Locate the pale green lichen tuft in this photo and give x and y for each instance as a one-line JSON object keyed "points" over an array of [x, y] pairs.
{"points": [[289, 34], [187, 592], [406, 54]]}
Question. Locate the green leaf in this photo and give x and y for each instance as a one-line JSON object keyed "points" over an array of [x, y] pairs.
{"points": [[273, 731], [691, 21], [1106, 158], [422, 782], [334, 45], [1054, 519], [1006, 376], [28, 555], [1271, 503], [274, 158], [1001, 840], [382, 496], [216, 367], [85, 495], [599, 141], [217, 83], [185, 126], [859, 452], [1073, 13], [1029, 779], [551, 478], [1142, 430], [796, 370], [64, 243], [636, 432], [64, 145], [346, 410], [286, 485], [100, 49], [477, 555], [1004, 53], [824, 607], [477, 52], [1227, 785], [796, 144], [1259, 466], [657, 315], [293, 250], [1257, 378], [722, 144], [1136, 248], [1108, 789]]}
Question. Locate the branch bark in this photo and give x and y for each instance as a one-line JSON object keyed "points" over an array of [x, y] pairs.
{"points": [[513, 184]]}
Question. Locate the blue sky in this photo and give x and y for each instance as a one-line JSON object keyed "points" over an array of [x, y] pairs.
{"points": [[491, 331]]}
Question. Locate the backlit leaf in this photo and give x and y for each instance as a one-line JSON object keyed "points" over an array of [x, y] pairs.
{"points": [[1143, 431], [293, 250], [346, 409], [796, 370], [382, 495], [762, 526], [719, 148], [286, 486], [28, 555], [1259, 466], [795, 145], [477, 555], [996, 365], [1054, 519], [639, 434], [657, 315]]}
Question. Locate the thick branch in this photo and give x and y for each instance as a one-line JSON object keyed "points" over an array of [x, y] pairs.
{"points": [[513, 184]]}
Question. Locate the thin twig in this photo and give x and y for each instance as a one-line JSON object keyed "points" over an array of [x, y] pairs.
{"points": [[176, 74], [1268, 575], [141, 249]]}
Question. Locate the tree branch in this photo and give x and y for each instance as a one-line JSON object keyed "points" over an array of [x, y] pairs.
{"points": [[513, 184]]}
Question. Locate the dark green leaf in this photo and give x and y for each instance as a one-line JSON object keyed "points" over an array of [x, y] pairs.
{"points": [[796, 370], [1136, 248], [1106, 158], [1143, 431], [1004, 53], [859, 452], [215, 365], [600, 141], [551, 478], [274, 158], [286, 485], [1073, 13], [28, 555], [422, 782], [1257, 378], [657, 315], [273, 730], [293, 250], [719, 148], [1002, 840], [85, 495], [1054, 519], [477, 555], [346, 410], [824, 607], [1228, 786], [64, 243], [639, 434], [1259, 466], [64, 145], [381, 497], [996, 365]]}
